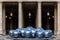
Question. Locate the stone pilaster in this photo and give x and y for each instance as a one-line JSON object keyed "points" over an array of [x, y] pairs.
{"points": [[20, 15], [38, 18], [58, 20], [1, 18]]}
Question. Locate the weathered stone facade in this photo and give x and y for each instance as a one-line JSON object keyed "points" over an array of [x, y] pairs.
{"points": [[57, 14]]}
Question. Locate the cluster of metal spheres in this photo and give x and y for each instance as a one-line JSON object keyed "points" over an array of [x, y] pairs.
{"points": [[30, 32]]}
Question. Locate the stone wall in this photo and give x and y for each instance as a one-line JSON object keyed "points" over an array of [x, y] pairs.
{"points": [[0, 18], [58, 20], [28, 0], [39, 23]]}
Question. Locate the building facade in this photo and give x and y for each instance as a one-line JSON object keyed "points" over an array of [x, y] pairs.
{"points": [[7, 8]]}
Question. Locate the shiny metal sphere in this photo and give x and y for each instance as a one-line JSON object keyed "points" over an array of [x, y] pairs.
{"points": [[27, 33], [11, 33], [33, 32], [39, 34], [29, 28], [16, 33], [22, 32], [30, 32], [40, 29], [47, 33]]}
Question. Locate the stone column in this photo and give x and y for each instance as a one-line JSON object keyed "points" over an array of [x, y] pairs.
{"points": [[1, 18], [55, 20], [38, 18], [20, 15], [58, 20]]}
